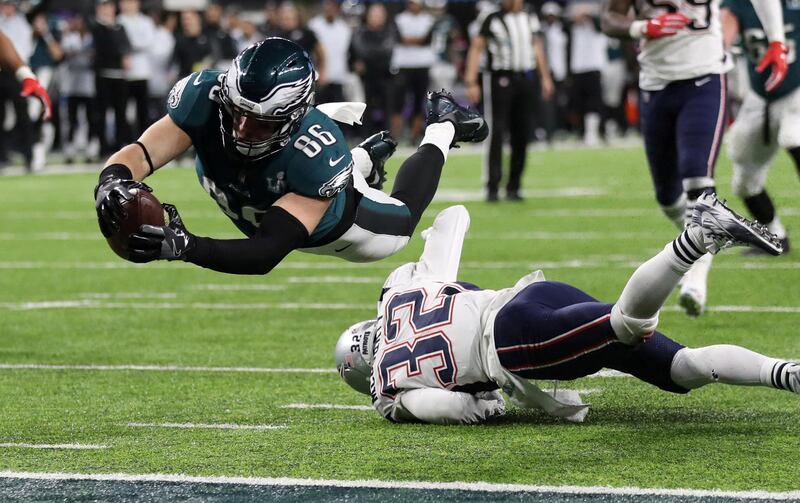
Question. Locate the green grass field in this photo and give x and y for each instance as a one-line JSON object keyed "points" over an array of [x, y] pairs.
{"points": [[66, 299]]}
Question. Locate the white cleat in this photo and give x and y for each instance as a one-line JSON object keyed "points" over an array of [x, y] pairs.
{"points": [[722, 227], [694, 285], [794, 379]]}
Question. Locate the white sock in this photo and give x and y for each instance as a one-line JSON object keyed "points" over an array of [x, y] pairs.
{"points": [[361, 161], [729, 364], [777, 228], [676, 212], [441, 135], [653, 281]]}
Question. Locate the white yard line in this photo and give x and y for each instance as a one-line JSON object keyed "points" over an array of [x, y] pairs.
{"points": [[205, 426], [332, 406], [397, 484], [164, 368], [78, 447], [336, 279], [235, 287], [97, 304]]}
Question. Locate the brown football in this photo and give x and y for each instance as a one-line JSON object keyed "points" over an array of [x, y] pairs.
{"points": [[143, 209]]}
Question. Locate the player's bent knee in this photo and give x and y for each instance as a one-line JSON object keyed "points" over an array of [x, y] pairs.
{"points": [[690, 369], [631, 330]]}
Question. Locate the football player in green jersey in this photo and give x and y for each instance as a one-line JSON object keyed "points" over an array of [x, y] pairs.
{"points": [[279, 167], [767, 120]]}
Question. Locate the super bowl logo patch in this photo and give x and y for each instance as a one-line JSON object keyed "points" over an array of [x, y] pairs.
{"points": [[337, 183], [174, 98]]}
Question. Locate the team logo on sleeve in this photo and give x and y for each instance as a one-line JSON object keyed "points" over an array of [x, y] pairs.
{"points": [[337, 183], [175, 94]]}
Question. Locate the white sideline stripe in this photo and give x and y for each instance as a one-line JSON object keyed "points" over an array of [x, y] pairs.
{"points": [[335, 279], [487, 487], [463, 195], [128, 295], [584, 391], [326, 406], [205, 426], [54, 446], [96, 304], [229, 287], [164, 368]]}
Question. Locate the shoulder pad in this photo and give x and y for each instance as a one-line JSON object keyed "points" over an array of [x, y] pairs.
{"points": [[193, 98]]}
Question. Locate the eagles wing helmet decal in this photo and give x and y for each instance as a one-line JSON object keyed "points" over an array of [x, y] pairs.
{"points": [[337, 183]]}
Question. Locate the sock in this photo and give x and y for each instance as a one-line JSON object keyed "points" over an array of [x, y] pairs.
{"points": [[441, 135], [418, 178], [361, 161], [760, 207], [795, 153], [729, 364], [777, 228], [653, 281], [676, 212]]}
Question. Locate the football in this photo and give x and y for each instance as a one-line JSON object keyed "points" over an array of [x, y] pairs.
{"points": [[143, 209]]}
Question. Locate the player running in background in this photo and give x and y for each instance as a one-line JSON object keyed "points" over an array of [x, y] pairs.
{"points": [[683, 97], [440, 349], [11, 62], [767, 120], [280, 168]]}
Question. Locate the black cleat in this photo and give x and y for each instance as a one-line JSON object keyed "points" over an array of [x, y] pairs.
{"points": [[380, 148], [470, 125]]}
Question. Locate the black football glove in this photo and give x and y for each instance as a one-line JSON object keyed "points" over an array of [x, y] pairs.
{"points": [[171, 242], [380, 148], [108, 197]]}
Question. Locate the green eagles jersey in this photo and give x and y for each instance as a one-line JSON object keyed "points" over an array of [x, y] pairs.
{"points": [[754, 42], [315, 163]]}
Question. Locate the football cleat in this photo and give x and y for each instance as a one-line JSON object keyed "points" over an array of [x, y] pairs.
{"points": [[722, 227], [692, 296], [470, 125], [757, 252], [794, 379], [692, 300], [380, 148]]}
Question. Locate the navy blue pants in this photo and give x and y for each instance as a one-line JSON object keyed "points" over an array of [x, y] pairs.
{"points": [[682, 127], [552, 330]]}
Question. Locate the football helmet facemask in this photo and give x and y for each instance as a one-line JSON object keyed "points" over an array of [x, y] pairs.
{"points": [[264, 96], [354, 352]]}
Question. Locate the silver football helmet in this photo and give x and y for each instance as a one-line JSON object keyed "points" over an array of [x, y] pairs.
{"points": [[353, 354]]}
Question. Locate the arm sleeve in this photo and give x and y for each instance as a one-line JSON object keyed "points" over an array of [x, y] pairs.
{"points": [[440, 406], [278, 234], [770, 13]]}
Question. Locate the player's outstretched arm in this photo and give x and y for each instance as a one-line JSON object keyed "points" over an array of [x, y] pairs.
{"points": [[283, 228], [11, 62], [124, 170], [730, 26], [770, 13], [440, 406], [616, 21]]}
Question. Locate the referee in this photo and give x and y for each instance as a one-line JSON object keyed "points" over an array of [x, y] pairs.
{"points": [[515, 50]]}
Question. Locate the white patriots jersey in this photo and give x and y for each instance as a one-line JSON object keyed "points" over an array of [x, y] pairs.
{"points": [[694, 51], [430, 336]]}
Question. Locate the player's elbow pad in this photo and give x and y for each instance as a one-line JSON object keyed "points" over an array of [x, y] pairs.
{"points": [[278, 234]]}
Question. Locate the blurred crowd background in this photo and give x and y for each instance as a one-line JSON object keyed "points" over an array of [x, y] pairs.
{"points": [[110, 65]]}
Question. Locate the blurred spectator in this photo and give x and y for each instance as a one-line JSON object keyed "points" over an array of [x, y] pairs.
{"points": [[77, 85], [111, 49], [269, 28], [192, 46], [47, 53], [289, 27], [334, 34], [164, 73], [516, 54], [17, 29], [448, 45], [249, 35], [223, 46], [413, 58], [140, 30], [370, 53], [587, 59], [614, 76], [556, 43]]}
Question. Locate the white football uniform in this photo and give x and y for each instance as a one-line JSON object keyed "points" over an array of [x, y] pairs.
{"points": [[694, 51], [751, 155], [434, 357]]}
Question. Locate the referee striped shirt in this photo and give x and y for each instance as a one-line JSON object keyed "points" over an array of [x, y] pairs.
{"points": [[509, 40]]}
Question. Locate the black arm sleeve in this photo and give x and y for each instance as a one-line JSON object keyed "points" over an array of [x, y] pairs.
{"points": [[279, 233]]}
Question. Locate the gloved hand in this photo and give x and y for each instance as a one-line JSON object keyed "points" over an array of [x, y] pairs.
{"points": [[664, 25], [170, 242], [775, 58], [32, 87], [108, 197], [380, 148]]}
